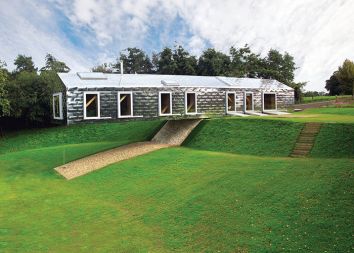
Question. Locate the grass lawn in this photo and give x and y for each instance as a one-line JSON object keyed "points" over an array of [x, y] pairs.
{"points": [[251, 198], [325, 115], [177, 200]]}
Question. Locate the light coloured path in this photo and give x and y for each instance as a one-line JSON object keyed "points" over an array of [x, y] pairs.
{"points": [[97, 161]]}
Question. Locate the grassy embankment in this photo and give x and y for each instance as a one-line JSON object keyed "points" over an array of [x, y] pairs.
{"points": [[250, 199]]}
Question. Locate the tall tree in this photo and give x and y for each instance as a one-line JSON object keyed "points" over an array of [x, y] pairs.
{"points": [[135, 61], [245, 63], [4, 101], [213, 63], [165, 63], [345, 75], [184, 62], [52, 64], [333, 85], [24, 63], [278, 66]]}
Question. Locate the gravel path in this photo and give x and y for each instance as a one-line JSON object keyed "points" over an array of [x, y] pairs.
{"points": [[97, 161]]}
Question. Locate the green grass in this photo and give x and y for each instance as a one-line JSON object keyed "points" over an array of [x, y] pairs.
{"points": [[113, 134], [330, 110], [324, 115], [180, 199], [176, 200], [334, 140], [322, 98], [246, 136]]}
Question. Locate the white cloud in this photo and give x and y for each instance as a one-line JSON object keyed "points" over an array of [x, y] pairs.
{"points": [[28, 28], [319, 33]]}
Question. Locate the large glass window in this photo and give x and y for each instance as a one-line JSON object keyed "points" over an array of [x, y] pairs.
{"points": [[249, 101], [269, 101], [231, 102], [191, 103], [125, 104], [91, 105], [57, 106], [165, 103]]}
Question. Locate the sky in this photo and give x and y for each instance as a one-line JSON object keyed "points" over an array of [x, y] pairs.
{"points": [[84, 33]]}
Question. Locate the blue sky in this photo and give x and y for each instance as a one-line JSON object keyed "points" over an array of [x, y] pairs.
{"points": [[84, 33]]}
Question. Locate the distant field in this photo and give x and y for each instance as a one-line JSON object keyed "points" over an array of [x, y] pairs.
{"points": [[322, 98]]}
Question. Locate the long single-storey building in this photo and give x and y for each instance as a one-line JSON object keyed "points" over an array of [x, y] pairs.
{"points": [[88, 97]]}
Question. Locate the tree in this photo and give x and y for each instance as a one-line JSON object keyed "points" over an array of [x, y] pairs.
{"points": [[278, 66], [298, 90], [213, 63], [164, 62], [184, 62], [52, 64], [24, 63], [4, 101], [345, 75], [104, 68], [245, 63], [333, 85], [135, 61]]}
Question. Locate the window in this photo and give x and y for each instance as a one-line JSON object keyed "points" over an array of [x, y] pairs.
{"points": [[249, 101], [191, 102], [125, 104], [165, 103], [57, 106], [91, 105], [269, 101], [231, 102]]}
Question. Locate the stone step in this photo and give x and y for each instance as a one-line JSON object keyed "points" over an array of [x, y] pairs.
{"points": [[303, 145], [300, 151], [297, 156]]}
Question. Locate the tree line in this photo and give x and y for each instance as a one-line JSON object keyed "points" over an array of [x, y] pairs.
{"points": [[26, 92], [238, 62]]}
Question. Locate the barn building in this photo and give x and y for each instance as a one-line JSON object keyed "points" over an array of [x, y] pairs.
{"points": [[91, 97]]}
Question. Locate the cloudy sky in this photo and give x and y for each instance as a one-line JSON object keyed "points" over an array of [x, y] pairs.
{"points": [[84, 33]]}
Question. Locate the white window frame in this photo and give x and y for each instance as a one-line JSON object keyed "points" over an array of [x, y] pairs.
{"points": [[165, 114], [98, 104], [195, 101], [131, 104], [227, 101], [60, 95], [276, 101], [245, 101]]}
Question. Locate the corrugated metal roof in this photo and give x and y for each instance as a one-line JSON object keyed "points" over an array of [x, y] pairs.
{"points": [[97, 80]]}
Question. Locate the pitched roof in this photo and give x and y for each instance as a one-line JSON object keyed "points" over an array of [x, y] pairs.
{"points": [[100, 80]]}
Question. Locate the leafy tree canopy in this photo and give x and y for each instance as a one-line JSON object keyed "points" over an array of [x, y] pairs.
{"points": [[345, 75], [52, 64], [135, 61], [24, 63], [4, 101], [213, 63]]}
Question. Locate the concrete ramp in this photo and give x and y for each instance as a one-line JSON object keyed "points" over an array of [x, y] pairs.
{"points": [[276, 112], [174, 132], [253, 113], [238, 114]]}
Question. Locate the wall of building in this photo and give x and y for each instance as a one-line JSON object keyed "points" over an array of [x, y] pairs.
{"points": [[210, 101]]}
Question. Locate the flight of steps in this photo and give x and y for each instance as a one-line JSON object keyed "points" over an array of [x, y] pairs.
{"points": [[306, 140], [174, 132]]}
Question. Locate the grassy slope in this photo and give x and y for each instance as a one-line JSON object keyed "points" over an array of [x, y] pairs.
{"points": [[177, 200], [335, 140], [246, 136], [109, 134]]}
